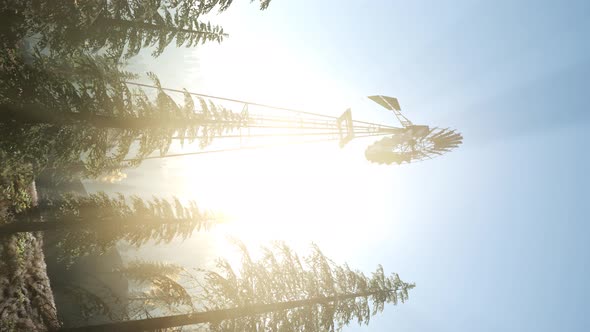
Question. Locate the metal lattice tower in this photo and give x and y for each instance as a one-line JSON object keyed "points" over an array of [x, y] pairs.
{"points": [[405, 144]]}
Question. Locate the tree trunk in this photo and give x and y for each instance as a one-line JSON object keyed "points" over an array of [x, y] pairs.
{"points": [[26, 298], [150, 324]]}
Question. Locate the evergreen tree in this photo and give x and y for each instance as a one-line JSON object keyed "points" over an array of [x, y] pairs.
{"points": [[65, 111], [157, 288], [193, 8], [97, 222], [281, 292], [154, 288], [12, 25], [120, 27]]}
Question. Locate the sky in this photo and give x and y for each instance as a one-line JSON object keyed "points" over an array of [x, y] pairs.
{"points": [[494, 234]]}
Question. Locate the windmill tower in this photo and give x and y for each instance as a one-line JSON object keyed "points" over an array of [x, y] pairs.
{"points": [[257, 124]]}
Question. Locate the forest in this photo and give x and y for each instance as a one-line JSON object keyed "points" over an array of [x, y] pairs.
{"points": [[71, 111]]}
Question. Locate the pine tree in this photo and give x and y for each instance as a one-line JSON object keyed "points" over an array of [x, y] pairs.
{"points": [[194, 8], [282, 292], [65, 111], [154, 288], [97, 222], [121, 27], [158, 289]]}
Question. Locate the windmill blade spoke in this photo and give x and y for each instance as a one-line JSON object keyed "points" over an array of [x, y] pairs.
{"points": [[434, 151]]}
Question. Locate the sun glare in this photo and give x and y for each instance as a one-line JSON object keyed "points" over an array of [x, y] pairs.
{"points": [[295, 193]]}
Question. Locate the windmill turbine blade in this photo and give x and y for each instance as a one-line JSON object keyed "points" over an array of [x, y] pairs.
{"points": [[438, 134]]}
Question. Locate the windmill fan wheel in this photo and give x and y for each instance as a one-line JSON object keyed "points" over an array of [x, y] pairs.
{"points": [[411, 146]]}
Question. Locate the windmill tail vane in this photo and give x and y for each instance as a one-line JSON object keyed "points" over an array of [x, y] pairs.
{"points": [[406, 144]]}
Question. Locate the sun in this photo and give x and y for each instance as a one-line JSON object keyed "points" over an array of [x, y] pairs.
{"points": [[296, 193]]}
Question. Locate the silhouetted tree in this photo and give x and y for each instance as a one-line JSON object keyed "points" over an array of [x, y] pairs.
{"points": [[194, 8], [66, 111], [154, 288], [282, 292], [120, 27], [97, 222], [163, 290]]}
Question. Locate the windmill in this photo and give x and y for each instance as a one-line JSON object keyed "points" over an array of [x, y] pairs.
{"points": [[259, 123], [412, 142]]}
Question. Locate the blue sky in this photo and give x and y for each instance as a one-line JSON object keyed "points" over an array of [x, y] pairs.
{"points": [[495, 234]]}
